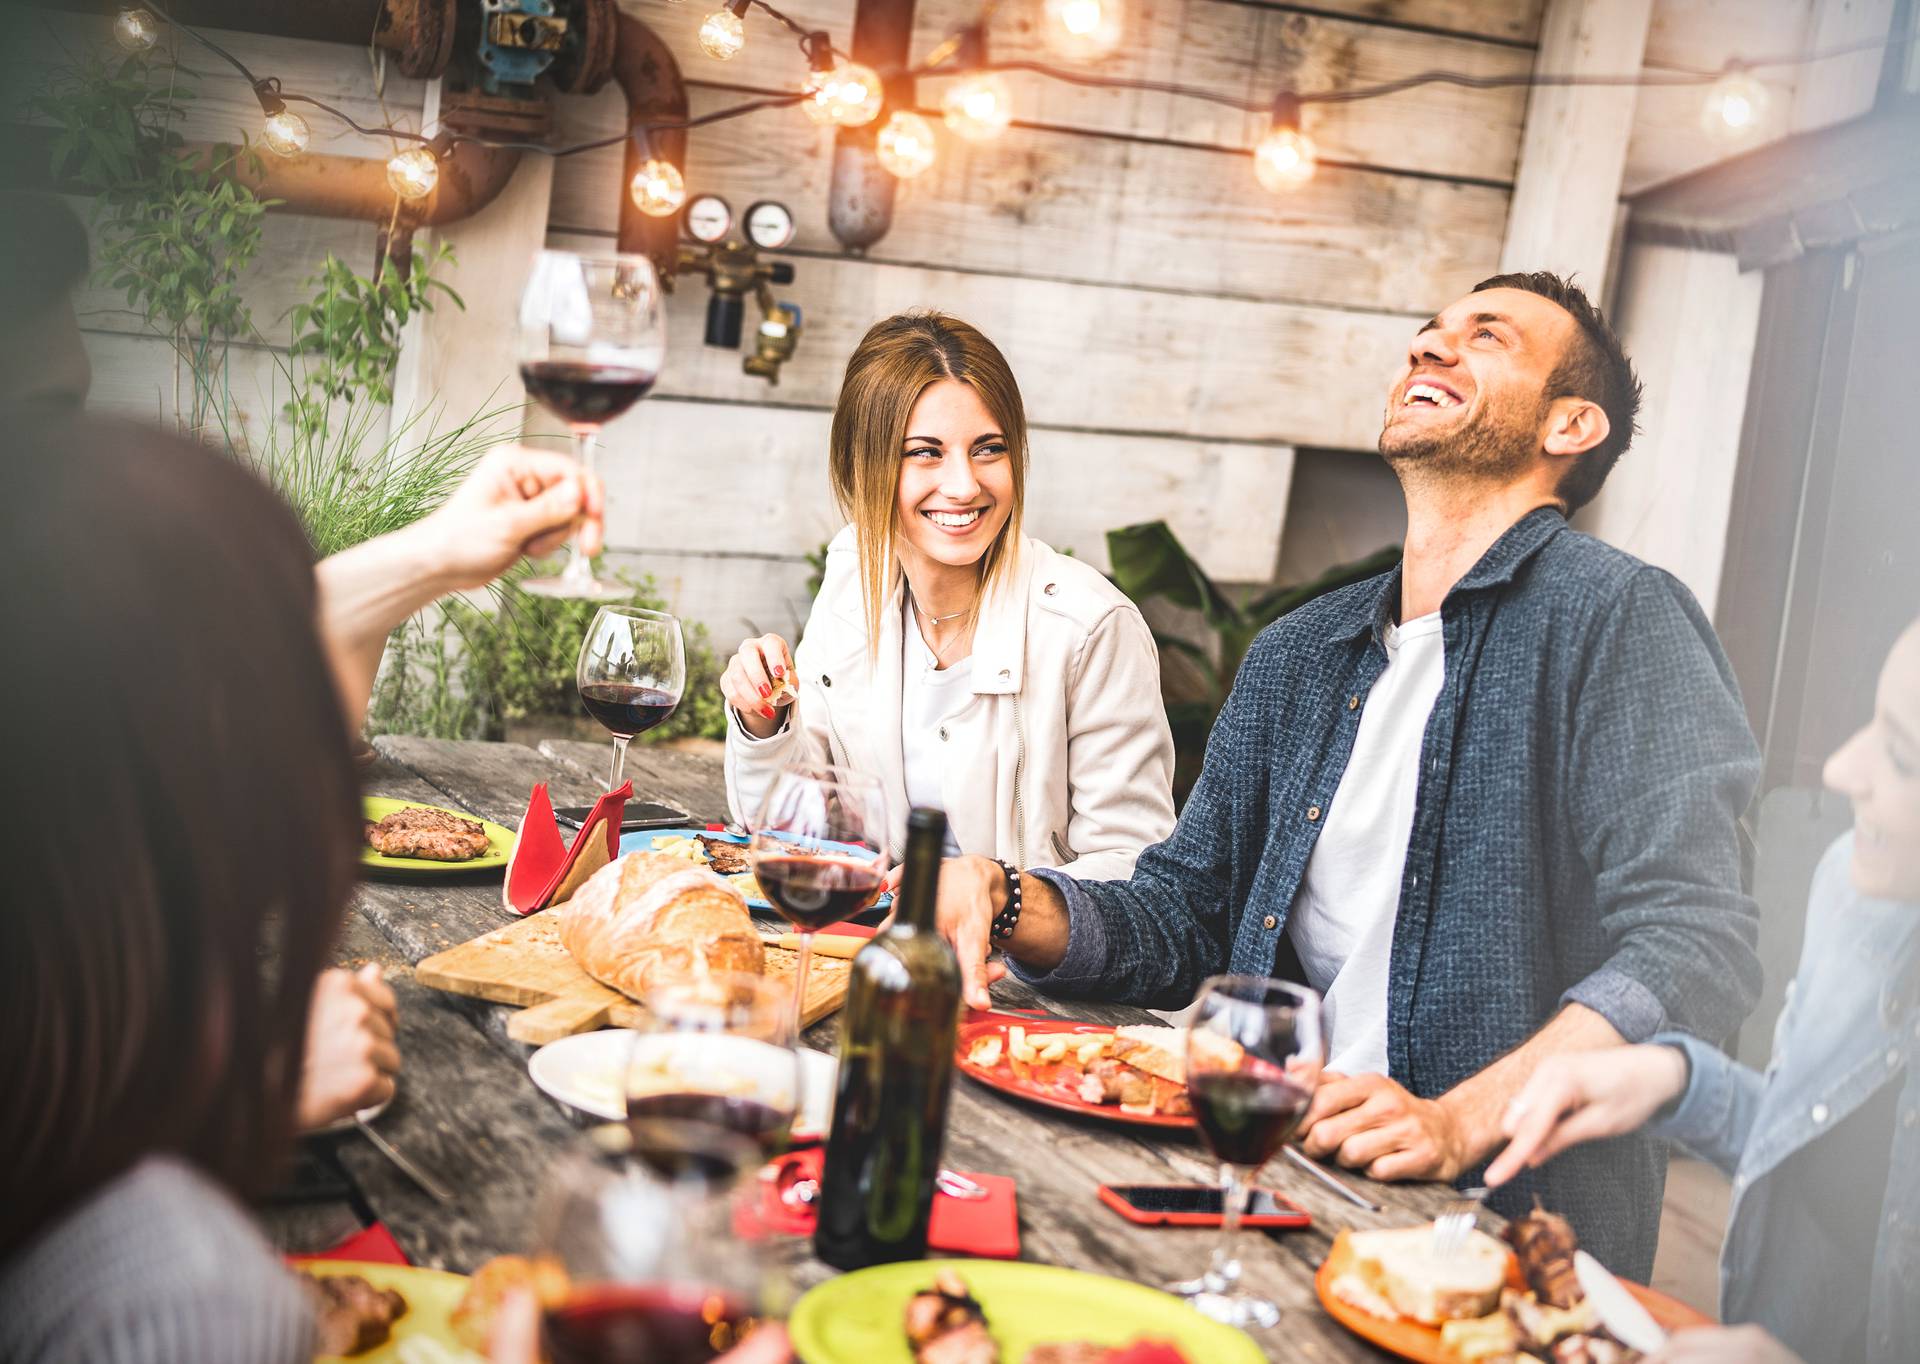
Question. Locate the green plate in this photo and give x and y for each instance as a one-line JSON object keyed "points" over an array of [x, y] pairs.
{"points": [[860, 1318], [376, 808]]}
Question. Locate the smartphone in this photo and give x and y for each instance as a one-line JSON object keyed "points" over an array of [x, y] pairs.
{"points": [[1197, 1205], [639, 814]]}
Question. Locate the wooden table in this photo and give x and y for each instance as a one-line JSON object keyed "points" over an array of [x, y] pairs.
{"points": [[467, 1110]]}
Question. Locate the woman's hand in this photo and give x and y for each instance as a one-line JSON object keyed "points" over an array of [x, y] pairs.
{"points": [[752, 676], [1723, 1345], [351, 1055], [517, 501], [1583, 1096]]}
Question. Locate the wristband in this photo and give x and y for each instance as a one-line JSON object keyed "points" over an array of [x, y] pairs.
{"points": [[1009, 918]]}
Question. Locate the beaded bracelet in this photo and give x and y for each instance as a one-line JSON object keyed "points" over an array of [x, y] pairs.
{"points": [[1009, 918]]}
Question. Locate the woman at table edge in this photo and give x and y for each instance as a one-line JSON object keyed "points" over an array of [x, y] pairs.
{"points": [[1824, 1229], [965, 664]]}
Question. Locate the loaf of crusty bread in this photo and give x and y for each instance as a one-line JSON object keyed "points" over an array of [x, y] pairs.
{"points": [[1401, 1266], [649, 919]]}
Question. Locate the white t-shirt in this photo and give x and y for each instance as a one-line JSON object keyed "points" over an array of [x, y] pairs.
{"points": [[1342, 922], [929, 695]]}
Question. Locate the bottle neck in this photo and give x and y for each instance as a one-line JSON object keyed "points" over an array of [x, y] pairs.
{"points": [[918, 903]]}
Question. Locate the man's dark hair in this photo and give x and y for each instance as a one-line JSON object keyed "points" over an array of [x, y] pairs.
{"points": [[1596, 368], [43, 253]]}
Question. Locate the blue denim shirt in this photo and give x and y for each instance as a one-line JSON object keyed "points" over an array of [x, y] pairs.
{"points": [[1850, 1030], [1574, 836]]}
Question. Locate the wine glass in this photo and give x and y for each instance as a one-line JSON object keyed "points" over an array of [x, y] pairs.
{"points": [[593, 335], [631, 1266], [717, 1050], [633, 667], [1254, 1055], [818, 852]]}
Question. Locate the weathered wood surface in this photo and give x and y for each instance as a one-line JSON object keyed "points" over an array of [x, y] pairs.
{"points": [[468, 1112]]}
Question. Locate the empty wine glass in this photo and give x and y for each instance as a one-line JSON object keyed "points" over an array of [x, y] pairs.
{"points": [[593, 336], [633, 667], [634, 1266], [818, 851], [1254, 1055]]}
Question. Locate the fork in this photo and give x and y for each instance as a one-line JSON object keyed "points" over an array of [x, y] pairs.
{"points": [[1457, 1221]]}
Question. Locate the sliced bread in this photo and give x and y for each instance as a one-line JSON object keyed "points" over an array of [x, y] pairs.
{"points": [[1401, 1266]]}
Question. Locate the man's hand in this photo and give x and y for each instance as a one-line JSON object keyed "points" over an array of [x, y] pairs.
{"points": [[1369, 1123], [1723, 1345], [970, 892], [1583, 1096], [351, 1057], [517, 501]]}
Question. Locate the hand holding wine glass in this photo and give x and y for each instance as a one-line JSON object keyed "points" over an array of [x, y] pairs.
{"points": [[818, 850], [632, 670], [1255, 1051], [592, 341]]}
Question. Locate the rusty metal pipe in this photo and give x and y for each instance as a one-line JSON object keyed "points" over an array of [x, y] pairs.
{"points": [[649, 77], [471, 177], [860, 202]]}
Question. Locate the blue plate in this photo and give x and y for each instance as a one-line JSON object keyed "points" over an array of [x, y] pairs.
{"points": [[641, 840]]}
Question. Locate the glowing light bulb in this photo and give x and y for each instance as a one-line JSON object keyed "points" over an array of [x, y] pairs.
{"points": [[722, 34], [1284, 159], [413, 173], [905, 146], [658, 188], [848, 96], [1084, 28], [136, 30], [285, 133], [1736, 107], [978, 107]]}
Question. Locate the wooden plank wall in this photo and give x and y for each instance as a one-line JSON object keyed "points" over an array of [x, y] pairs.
{"points": [[1177, 331]]}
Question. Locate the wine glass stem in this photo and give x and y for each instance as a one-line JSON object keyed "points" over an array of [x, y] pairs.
{"points": [[586, 442], [1226, 1264], [800, 968], [619, 760]]}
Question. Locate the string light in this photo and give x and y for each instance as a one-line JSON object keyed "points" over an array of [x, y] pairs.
{"points": [[658, 188], [136, 30], [842, 94], [1284, 160], [978, 106], [724, 32], [905, 145], [1084, 28], [1736, 107], [413, 173]]}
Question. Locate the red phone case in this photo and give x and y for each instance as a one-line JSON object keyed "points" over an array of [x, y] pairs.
{"points": [[1297, 1218]]}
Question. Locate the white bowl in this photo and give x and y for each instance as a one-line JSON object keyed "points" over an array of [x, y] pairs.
{"points": [[588, 1071]]}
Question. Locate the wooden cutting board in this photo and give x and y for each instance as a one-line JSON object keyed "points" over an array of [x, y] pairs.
{"points": [[525, 964]]}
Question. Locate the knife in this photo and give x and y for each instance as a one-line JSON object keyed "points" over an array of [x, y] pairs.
{"points": [[1619, 1311], [406, 1167]]}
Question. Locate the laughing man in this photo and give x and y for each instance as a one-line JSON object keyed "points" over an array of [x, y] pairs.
{"points": [[1485, 803]]}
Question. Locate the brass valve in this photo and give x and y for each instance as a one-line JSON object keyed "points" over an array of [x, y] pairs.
{"points": [[773, 344]]}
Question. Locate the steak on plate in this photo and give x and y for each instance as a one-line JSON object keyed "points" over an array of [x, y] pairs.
{"points": [[350, 1314], [434, 835]]}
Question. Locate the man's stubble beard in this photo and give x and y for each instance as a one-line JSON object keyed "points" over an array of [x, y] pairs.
{"points": [[1486, 451]]}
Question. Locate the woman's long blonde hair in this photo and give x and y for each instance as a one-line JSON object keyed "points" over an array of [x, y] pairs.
{"points": [[897, 361]]}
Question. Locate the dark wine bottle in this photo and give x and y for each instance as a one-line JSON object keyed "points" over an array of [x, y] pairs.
{"points": [[896, 1073]]}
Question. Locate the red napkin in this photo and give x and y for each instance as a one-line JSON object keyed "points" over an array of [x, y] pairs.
{"points": [[543, 869], [988, 1227], [373, 1243]]}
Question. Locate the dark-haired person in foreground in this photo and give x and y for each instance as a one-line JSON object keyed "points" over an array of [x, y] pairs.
{"points": [[1485, 803]]}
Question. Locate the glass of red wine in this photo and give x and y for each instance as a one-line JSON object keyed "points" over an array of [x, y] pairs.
{"points": [[634, 1266], [819, 853], [633, 667], [1254, 1055], [593, 335], [717, 1051]]}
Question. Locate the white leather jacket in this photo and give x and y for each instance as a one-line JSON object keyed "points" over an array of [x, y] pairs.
{"points": [[1062, 759]]}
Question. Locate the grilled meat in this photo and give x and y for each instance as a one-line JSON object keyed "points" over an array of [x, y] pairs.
{"points": [[433, 835], [1544, 1243], [946, 1326], [726, 859], [350, 1314]]}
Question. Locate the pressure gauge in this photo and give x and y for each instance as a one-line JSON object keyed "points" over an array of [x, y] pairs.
{"points": [[769, 225], [708, 218]]}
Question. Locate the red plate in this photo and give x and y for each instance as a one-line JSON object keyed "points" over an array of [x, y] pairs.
{"points": [[1002, 1078]]}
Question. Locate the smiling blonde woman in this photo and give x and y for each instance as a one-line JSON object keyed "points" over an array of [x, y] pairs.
{"points": [[964, 664]]}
